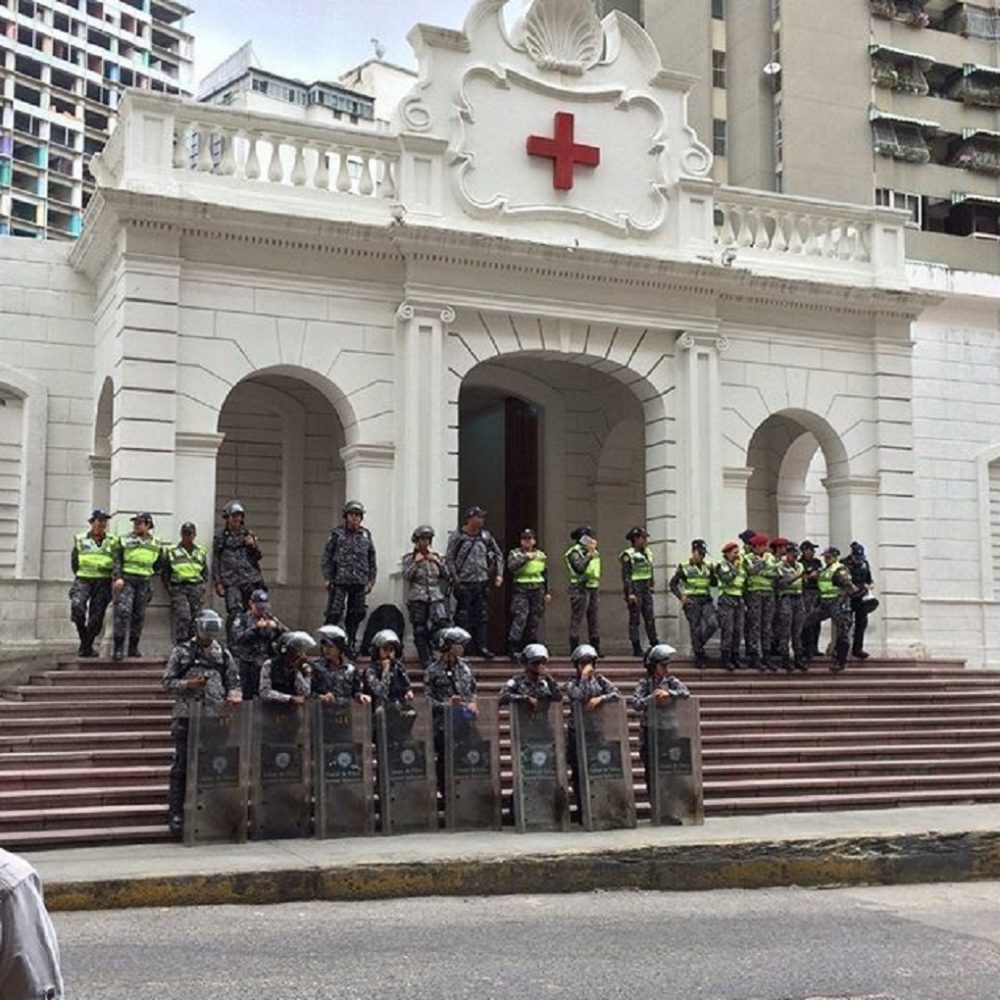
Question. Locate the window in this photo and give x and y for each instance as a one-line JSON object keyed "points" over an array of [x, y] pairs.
{"points": [[778, 138], [719, 10], [719, 136], [260, 85], [912, 203], [718, 69]]}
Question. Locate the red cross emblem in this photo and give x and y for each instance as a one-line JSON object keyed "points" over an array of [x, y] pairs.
{"points": [[564, 151]]}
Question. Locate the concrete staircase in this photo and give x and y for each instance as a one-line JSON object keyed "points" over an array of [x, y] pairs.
{"points": [[85, 748]]}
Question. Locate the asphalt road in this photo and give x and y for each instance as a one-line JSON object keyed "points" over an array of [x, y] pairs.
{"points": [[938, 942]]}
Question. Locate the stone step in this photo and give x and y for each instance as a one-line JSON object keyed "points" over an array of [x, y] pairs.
{"points": [[755, 786], [127, 739], [103, 776], [729, 805], [717, 770], [840, 741], [27, 821], [84, 836], [749, 723], [84, 692], [52, 799], [81, 758], [76, 709], [35, 724], [62, 678]]}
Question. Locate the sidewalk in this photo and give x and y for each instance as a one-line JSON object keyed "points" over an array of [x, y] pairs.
{"points": [[948, 843]]}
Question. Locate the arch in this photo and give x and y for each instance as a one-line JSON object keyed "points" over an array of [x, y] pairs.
{"points": [[782, 451], [100, 457], [988, 475], [31, 463]]}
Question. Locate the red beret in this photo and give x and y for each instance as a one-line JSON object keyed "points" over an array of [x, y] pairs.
{"points": [[729, 546], [759, 539]]}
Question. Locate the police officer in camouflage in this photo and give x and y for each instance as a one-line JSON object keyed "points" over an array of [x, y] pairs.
{"points": [[658, 685], [583, 564], [199, 670], [287, 676], [835, 592], [138, 558], [761, 568], [386, 679], [236, 559], [426, 578], [731, 578], [637, 583], [528, 566], [92, 561], [255, 635], [350, 570], [334, 677], [811, 567], [534, 685], [474, 559], [185, 572], [692, 585], [788, 615]]}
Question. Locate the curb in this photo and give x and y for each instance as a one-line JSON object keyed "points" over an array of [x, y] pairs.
{"points": [[813, 863]]}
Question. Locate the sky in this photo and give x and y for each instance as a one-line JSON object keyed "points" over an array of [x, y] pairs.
{"points": [[314, 39]]}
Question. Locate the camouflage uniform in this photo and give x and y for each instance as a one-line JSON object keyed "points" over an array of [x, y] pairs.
{"points": [[90, 592], [185, 585], [350, 569], [582, 689], [345, 682], [252, 647], [130, 602], [527, 603], [187, 660], [731, 580], [640, 700], [426, 581], [810, 602], [524, 685], [761, 571], [390, 689], [836, 605], [636, 564], [473, 561], [584, 594], [789, 613], [236, 566], [861, 576], [281, 682], [693, 582], [442, 681]]}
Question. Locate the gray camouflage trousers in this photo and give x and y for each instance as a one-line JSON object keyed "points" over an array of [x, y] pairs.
{"points": [[702, 623], [88, 602], [527, 608], [186, 601], [584, 602], [130, 610], [759, 615], [789, 617], [730, 613], [839, 611], [642, 609]]}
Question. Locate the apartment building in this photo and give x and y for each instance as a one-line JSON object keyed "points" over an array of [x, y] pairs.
{"points": [[63, 67]]}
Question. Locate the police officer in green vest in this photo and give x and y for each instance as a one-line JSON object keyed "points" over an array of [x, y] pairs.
{"points": [[138, 558], [637, 583], [92, 561], [583, 563], [692, 585], [835, 591], [761, 570], [185, 572], [789, 611], [528, 565], [731, 577]]}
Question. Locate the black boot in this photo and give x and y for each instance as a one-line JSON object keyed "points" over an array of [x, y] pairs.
{"points": [[119, 651], [133, 652], [637, 649], [730, 664], [700, 661], [574, 641]]}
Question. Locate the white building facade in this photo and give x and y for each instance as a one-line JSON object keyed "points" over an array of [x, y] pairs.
{"points": [[571, 330]]}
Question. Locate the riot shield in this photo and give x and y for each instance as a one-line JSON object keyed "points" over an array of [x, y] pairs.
{"points": [[280, 804], [538, 751], [472, 767], [673, 733], [342, 769], [407, 793], [218, 775], [603, 767]]}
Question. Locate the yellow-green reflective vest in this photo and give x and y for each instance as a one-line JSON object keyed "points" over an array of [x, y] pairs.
{"points": [[640, 563], [795, 587], [762, 582], [732, 579], [139, 555], [697, 579], [532, 573], [94, 560], [591, 578], [187, 567], [828, 588]]}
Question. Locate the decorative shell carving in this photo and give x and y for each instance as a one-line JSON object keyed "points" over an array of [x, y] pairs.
{"points": [[563, 35]]}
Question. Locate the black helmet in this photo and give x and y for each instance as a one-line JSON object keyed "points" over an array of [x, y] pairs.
{"points": [[636, 532], [188, 527], [453, 634], [354, 507], [474, 510], [207, 624], [143, 516], [700, 545], [422, 531], [529, 533], [577, 533], [233, 507], [260, 597]]}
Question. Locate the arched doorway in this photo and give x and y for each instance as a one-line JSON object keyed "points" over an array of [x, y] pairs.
{"points": [[551, 444], [793, 455], [100, 457], [281, 457]]}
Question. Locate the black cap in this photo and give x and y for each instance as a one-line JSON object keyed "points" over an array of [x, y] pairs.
{"points": [[143, 515], [529, 533], [259, 597], [474, 510], [699, 545], [577, 533], [188, 526], [98, 514], [637, 532], [831, 551], [745, 536], [808, 545]]}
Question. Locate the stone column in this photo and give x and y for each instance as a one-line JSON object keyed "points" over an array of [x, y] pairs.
{"points": [[792, 509], [700, 493], [195, 462], [735, 480], [370, 477]]}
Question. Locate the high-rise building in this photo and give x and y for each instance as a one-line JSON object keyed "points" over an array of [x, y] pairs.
{"points": [[63, 66], [891, 102]]}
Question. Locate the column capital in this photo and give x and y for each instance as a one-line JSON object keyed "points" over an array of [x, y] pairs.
{"points": [[189, 443], [422, 309], [852, 485], [702, 340], [792, 503], [736, 475], [372, 456]]}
